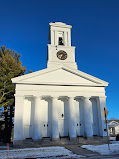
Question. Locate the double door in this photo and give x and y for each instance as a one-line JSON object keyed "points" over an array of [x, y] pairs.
{"points": [[28, 131], [63, 127], [46, 129], [79, 128]]}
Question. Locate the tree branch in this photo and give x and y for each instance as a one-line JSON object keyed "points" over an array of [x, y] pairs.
{"points": [[4, 104], [3, 96]]}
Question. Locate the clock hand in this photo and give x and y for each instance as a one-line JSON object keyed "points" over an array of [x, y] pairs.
{"points": [[60, 56], [63, 56]]}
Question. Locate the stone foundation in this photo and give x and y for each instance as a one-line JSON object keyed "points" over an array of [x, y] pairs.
{"points": [[59, 142], [18, 142]]}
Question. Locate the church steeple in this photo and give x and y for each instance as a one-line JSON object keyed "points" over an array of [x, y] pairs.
{"points": [[60, 50]]}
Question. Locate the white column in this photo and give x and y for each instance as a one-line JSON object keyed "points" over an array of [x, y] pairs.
{"points": [[72, 122], [69, 38], [37, 119], [65, 38], [87, 115], [101, 101], [56, 40], [18, 118], [55, 131], [52, 37]]}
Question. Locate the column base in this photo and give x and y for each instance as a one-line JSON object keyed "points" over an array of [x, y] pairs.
{"points": [[17, 142], [73, 139], [55, 139], [26, 142], [90, 138], [37, 141]]}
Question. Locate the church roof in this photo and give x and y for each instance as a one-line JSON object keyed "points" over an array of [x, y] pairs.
{"points": [[60, 75], [113, 123], [60, 24]]}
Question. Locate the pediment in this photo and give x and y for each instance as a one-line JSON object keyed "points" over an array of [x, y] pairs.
{"points": [[59, 76]]}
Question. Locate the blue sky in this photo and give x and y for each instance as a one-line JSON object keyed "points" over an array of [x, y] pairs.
{"points": [[95, 33]]}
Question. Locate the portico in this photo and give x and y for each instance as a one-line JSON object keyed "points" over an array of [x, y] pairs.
{"points": [[59, 116]]}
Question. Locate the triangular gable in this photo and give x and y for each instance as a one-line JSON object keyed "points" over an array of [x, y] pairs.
{"points": [[60, 76]]}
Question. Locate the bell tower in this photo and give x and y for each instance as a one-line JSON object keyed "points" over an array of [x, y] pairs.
{"points": [[60, 51]]}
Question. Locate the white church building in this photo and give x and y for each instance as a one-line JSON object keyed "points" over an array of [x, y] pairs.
{"points": [[59, 101]]}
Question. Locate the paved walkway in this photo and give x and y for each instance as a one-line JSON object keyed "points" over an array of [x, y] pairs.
{"points": [[77, 149]]}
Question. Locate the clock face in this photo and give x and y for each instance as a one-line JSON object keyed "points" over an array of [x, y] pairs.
{"points": [[62, 55]]}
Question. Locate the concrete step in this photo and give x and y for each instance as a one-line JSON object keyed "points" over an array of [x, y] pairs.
{"points": [[91, 140], [62, 141]]}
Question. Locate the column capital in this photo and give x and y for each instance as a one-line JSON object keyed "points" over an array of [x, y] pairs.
{"points": [[39, 97], [86, 97], [100, 98]]}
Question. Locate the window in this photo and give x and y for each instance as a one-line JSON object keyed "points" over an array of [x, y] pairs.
{"points": [[60, 41]]}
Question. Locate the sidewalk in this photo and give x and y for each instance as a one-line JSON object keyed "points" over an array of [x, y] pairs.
{"points": [[77, 149], [59, 152]]}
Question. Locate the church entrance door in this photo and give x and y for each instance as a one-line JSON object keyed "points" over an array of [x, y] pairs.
{"points": [[28, 131], [77, 129], [63, 127], [79, 115], [46, 129], [46, 117], [81, 129]]}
